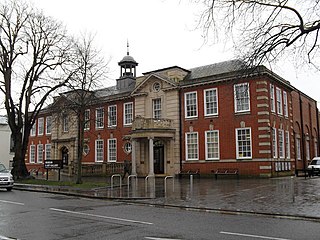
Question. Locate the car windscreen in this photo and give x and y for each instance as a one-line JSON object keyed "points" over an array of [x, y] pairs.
{"points": [[2, 168], [315, 162]]}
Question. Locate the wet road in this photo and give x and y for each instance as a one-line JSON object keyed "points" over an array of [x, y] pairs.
{"points": [[32, 215]]}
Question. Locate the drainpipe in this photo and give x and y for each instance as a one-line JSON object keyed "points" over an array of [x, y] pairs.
{"points": [[317, 117], [302, 132], [180, 128]]}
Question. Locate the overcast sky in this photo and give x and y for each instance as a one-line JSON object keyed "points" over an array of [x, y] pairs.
{"points": [[161, 33]]}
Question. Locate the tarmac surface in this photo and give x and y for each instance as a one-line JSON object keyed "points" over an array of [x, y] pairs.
{"points": [[287, 197]]}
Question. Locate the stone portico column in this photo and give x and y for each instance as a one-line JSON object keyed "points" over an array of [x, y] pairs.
{"points": [[133, 158], [151, 160]]}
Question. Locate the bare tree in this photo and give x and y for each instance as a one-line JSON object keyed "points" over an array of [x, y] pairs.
{"points": [[34, 52], [263, 30], [88, 69]]}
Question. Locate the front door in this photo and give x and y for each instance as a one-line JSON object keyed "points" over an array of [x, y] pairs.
{"points": [[65, 156], [158, 151]]}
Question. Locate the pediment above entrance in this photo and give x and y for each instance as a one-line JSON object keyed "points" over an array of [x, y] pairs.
{"points": [[153, 83]]}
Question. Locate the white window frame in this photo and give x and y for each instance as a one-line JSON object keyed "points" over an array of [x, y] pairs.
{"points": [[307, 149], [99, 118], [32, 155], [157, 108], [288, 152], [236, 100], [87, 119], [99, 152], [237, 143], [112, 150], [215, 143], [285, 104], [40, 126], [187, 144], [112, 119], [186, 104], [48, 125], [40, 153], [33, 130], [298, 148], [47, 151], [281, 143], [279, 101], [272, 99], [128, 113], [213, 105], [274, 143], [65, 123]]}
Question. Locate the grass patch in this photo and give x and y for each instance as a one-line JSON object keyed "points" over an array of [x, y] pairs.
{"points": [[84, 185]]}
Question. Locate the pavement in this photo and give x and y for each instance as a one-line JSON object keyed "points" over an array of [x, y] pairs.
{"points": [[286, 197]]}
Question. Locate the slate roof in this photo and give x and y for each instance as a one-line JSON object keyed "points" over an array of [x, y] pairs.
{"points": [[215, 69]]}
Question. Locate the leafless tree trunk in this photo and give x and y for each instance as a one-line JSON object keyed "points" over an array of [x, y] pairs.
{"points": [[89, 70], [34, 52], [263, 30]]}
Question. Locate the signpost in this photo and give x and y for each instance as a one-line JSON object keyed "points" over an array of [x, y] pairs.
{"points": [[53, 164]]}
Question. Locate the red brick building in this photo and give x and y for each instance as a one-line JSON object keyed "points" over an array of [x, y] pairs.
{"points": [[173, 119]]}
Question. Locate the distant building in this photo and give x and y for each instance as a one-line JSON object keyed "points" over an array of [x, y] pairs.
{"points": [[173, 119], [6, 145]]}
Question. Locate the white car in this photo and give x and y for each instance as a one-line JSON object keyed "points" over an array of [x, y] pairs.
{"points": [[315, 165], [6, 178]]}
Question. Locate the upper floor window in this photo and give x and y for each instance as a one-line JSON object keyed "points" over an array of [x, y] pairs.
{"points": [[210, 102], [212, 145], [243, 143], [99, 118], [40, 126], [87, 119], [279, 101], [241, 97], [191, 109], [99, 150], [48, 124], [285, 104], [65, 123], [156, 105], [128, 113], [33, 130], [112, 116], [112, 150], [272, 99]]}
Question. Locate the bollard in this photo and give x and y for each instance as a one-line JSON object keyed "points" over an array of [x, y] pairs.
{"points": [[165, 183], [116, 175]]}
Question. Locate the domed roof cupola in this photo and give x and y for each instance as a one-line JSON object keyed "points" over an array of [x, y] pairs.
{"points": [[127, 65]]}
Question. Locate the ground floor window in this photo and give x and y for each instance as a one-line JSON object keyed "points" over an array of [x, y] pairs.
{"points": [[281, 143], [40, 153], [32, 155], [99, 150], [212, 145], [192, 146], [243, 143], [47, 153], [298, 148], [112, 150]]}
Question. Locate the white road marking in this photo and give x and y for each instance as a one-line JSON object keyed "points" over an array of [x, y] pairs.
{"points": [[154, 238], [16, 203], [253, 236], [6, 238], [100, 216]]}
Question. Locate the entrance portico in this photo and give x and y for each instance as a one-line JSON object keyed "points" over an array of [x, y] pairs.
{"points": [[152, 147]]}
